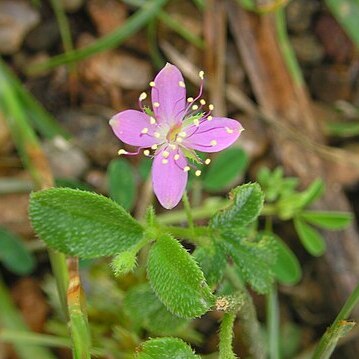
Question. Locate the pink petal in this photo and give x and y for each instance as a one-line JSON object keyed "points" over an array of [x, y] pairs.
{"points": [[128, 125], [212, 136], [170, 96], [169, 180]]}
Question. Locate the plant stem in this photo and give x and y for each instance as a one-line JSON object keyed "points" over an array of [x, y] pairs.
{"points": [[188, 210], [338, 329], [273, 323], [226, 337], [198, 235]]}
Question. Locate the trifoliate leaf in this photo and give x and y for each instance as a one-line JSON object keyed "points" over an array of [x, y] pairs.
{"points": [[327, 220], [165, 348], [177, 280], [245, 207], [82, 224]]}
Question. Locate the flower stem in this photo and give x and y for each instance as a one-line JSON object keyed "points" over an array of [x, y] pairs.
{"points": [[197, 235], [273, 323], [188, 210], [226, 337], [338, 329]]}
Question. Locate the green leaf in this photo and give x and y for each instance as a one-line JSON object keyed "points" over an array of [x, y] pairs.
{"points": [[310, 238], [347, 14], [312, 193], [144, 169], [177, 280], [122, 184], [82, 224], [343, 129], [328, 220], [144, 309], [224, 169], [14, 255], [245, 207], [254, 259], [287, 267], [212, 261], [165, 348]]}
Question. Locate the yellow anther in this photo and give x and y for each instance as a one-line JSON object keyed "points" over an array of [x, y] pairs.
{"points": [[196, 122], [210, 118], [176, 157], [207, 161], [187, 168], [172, 146], [157, 135], [144, 130], [146, 152], [213, 143], [152, 84], [179, 139], [198, 173], [154, 147], [211, 107], [201, 75], [156, 104], [202, 102], [190, 99], [164, 161], [143, 96], [229, 130], [181, 84], [182, 134], [122, 152], [165, 154], [195, 107], [152, 120]]}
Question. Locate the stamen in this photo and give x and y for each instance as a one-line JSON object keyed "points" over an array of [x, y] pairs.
{"points": [[152, 120], [165, 154], [122, 152], [202, 102], [176, 157], [156, 104], [211, 107], [179, 139], [143, 96], [146, 152], [195, 107], [152, 84], [164, 161], [181, 84], [154, 147], [229, 130], [157, 134], [182, 134], [201, 75], [210, 118], [198, 173], [213, 143], [172, 146], [144, 130], [186, 168], [196, 122], [207, 161], [190, 99]]}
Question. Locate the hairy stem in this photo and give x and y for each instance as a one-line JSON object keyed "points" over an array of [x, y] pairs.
{"points": [[226, 337], [273, 323]]}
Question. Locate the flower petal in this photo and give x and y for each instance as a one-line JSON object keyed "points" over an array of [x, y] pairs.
{"points": [[168, 93], [128, 126], [212, 136], [169, 178]]}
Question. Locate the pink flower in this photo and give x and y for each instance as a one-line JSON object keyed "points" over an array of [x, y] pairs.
{"points": [[173, 130]]}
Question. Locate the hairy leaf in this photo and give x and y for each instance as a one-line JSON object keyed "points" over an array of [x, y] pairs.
{"points": [[328, 220]]}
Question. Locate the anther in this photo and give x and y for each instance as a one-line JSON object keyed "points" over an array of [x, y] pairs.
{"points": [[202, 102], [154, 147], [156, 104], [164, 161], [122, 152], [181, 84], [165, 154], [143, 96], [146, 152], [179, 139], [207, 161], [152, 120], [195, 107], [210, 118], [198, 173], [152, 84], [182, 134], [213, 143], [176, 157], [144, 130], [229, 130], [172, 146], [201, 75], [190, 99], [196, 122], [187, 168], [211, 107], [157, 135]]}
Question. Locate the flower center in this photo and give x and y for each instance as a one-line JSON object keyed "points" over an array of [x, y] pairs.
{"points": [[173, 133]]}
